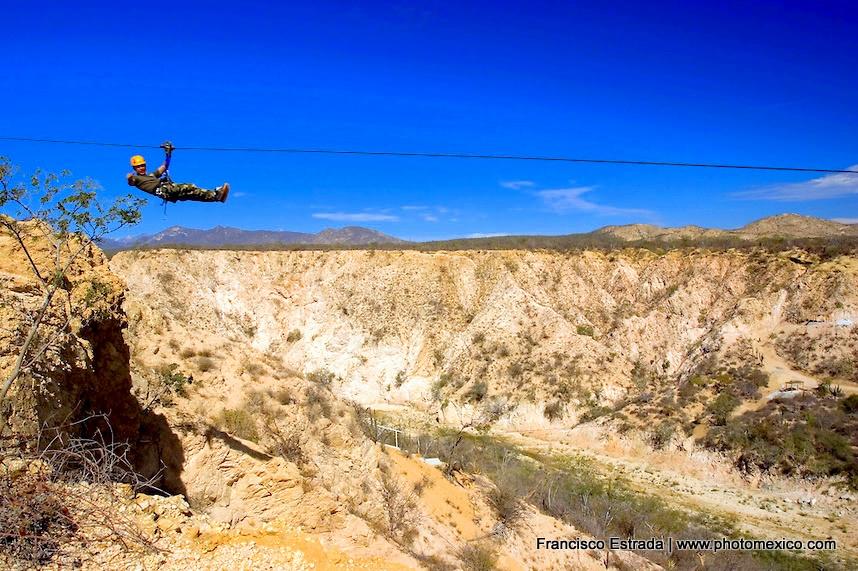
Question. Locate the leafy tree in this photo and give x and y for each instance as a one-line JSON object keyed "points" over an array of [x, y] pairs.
{"points": [[49, 210]]}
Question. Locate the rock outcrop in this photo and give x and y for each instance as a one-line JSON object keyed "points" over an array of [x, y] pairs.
{"points": [[83, 372]]}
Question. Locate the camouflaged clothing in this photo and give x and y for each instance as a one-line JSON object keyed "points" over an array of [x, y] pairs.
{"points": [[145, 182], [171, 191], [174, 191]]}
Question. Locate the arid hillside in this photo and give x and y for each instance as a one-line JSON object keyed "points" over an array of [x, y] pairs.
{"points": [[528, 327], [665, 366], [204, 452]]}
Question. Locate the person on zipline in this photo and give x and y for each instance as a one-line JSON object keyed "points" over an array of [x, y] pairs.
{"points": [[159, 183]]}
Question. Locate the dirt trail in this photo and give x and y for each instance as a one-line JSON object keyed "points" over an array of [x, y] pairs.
{"points": [[781, 373]]}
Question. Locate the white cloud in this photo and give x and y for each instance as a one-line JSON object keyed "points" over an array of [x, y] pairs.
{"points": [[846, 220], [430, 218], [566, 199], [412, 207], [486, 234], [355, 217], [829, 186], [517, 184]]}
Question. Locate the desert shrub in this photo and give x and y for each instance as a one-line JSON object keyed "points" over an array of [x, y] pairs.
{"points": [[317, 403], [44, 509], [187, 353], [283, 396], [574, 490], [478, 338], [691, 387], [721, 408], [437, 388], [293, 336], [433, 562], [160, 389], [747, 381], [322, 377], [283, 440], [34, 518], [515, 370], [585, 330], [661, 435], [253, 368], [175, 381], [239, 422], [400, 509], [204, 353], [508, 507], [835, 368], [555, 410], [400, 379], [477, 392], [641, 376], [205, 364], [850, 404], [808, 440], [477, 557], [594, 412]]}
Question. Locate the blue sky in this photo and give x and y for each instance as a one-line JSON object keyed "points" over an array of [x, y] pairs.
{"points": [[759, 83]]}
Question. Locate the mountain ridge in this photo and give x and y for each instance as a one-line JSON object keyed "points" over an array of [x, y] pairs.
{"points": [[791, 226], [231, 236]]}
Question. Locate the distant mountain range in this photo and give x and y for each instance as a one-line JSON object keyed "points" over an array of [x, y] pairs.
{"points": [[782, 225], [226, 236]]}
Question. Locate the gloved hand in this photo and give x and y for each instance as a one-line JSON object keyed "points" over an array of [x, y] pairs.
{"points": [[168, 147]]}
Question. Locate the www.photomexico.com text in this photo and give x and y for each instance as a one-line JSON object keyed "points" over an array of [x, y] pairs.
{"points": [[669, 544]]}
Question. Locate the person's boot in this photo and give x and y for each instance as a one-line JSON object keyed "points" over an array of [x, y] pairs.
{"points": [[223, 192]]}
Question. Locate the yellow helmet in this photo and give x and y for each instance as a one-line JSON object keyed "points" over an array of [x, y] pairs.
{"points": [[137, 160]]}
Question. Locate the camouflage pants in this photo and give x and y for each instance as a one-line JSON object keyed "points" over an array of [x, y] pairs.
{"points": [[176, 191]]}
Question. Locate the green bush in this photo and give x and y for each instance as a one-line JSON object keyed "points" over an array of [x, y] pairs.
{"points": [[322, 377], [171, 378], [239, 422], [477, 392], [400, 379], [850, 404], [585, 330], [801, 439], [661, 435], [437, 390], [594, 412], [721, 407]]}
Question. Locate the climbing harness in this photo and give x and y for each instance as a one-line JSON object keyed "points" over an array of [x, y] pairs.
{"points": [[165, 176]]}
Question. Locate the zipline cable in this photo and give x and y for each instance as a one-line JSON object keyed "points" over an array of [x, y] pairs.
{"points": [[442, 155]]}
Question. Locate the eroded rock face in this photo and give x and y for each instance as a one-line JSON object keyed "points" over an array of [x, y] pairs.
{"points": [[391, 324], [84, 371]]}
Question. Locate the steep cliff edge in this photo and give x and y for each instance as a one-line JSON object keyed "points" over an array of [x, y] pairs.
{"points": [[84, 371]]}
